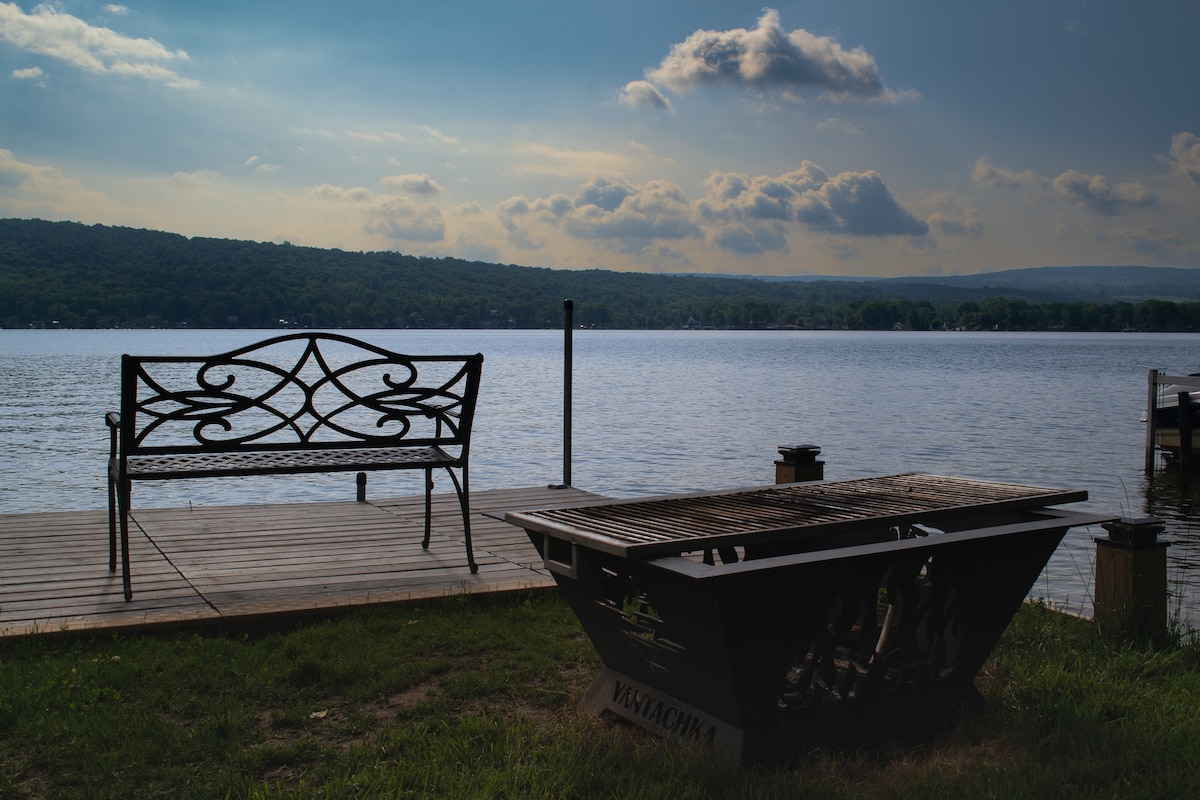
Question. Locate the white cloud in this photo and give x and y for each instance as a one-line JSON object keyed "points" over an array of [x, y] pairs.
{"points": [[201, 182], [632, 214], [1091, 192], [542, 159], [31, 190], [854, 203], [963, 223], [336, 194], [413, 184], [17, 173], [984, 174], [643, 94], [1185, 155], [437, 136], [32, 73], [48, 32], [117, 10], [402, 219], [379, 137], [771, 58], [738, 213], [320, 133], [1096, 194], [390, 216], [617, 213], [839, 126]]}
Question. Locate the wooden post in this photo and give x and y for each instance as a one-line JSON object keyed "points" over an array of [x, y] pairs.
{"points": [[1131, 578], [1151, 408], [799, 463], [568, 380], [1185, 431]]}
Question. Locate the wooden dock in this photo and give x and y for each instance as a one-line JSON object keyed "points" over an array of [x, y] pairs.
{"points": [[241, 563]]}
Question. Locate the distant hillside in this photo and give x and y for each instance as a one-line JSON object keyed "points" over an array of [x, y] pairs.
{"points": [[1070, 284], [74, 275]]}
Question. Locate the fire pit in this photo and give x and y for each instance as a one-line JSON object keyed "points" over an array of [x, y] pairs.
{"points": [[752, 620]]}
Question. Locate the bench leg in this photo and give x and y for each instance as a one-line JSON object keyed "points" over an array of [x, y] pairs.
{"points": [[123, 500], [464, 502], [428, 506], [112, 516]]}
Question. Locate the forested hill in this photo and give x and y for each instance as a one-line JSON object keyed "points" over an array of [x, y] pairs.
{"points": [[75, 275]]}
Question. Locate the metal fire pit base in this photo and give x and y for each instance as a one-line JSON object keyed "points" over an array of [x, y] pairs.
{"points": [[915, 716], [841, 645]]}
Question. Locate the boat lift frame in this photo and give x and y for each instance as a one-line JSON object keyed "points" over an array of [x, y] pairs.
{"points": [[1155, 380]]}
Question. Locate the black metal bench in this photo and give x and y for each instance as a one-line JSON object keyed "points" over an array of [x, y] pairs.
{"points": [[300, 403]]}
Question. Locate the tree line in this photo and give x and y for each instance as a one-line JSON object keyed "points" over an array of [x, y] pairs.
{"points": [[79, 276]]}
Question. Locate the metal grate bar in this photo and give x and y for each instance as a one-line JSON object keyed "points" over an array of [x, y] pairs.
{"points": [[673, 524]]}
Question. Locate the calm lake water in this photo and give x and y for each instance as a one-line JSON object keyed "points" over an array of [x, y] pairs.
{"points": [[675, 411]]}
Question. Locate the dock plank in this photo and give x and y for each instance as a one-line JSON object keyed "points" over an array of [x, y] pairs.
{"points": [[209, 563]]}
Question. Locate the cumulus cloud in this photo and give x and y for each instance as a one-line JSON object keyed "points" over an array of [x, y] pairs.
{"points": [[744, 238], [30, 74], [387, 215], [98, 50], [1096, 194], [413, 184], [1091, 192], [737, 213], [16, 173], [854, 203], [337, 194], [516, 214], [627, 215], [202, 182], [963, 223], [33, 190], [402, 219], [984, 174], [634, 214], [1185, 155], [643, 94], [770, 58]]}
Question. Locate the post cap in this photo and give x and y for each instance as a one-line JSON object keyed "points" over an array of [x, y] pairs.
{"points": [[1134, 530], [799, 453]]}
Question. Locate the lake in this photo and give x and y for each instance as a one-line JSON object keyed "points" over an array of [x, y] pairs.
{"points": [[677, 411]]}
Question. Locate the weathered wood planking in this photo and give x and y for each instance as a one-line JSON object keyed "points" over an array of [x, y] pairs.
{"points": [[239, 562]]}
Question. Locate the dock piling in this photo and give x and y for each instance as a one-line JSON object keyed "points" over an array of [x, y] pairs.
{"points": [[799, 463], [1131, 578]]}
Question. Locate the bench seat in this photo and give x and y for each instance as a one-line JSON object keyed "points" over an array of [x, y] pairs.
{"points": [[208, 465]]}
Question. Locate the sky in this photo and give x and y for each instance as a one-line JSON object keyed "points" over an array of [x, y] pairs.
{"points": [[821, 137]]}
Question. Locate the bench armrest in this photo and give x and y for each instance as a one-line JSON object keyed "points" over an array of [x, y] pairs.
{"points": [[113, 420]]}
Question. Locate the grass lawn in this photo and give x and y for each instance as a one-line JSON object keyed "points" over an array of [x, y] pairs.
{"points": [[476, 697]]}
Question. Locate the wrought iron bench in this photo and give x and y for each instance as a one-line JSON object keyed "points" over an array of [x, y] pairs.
{"points": [[300, 403]]}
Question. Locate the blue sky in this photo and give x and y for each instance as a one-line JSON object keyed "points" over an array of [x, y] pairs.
{"points": [[860, 137]]}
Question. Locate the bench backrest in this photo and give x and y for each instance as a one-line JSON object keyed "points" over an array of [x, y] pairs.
{"points": [[303, 390]]}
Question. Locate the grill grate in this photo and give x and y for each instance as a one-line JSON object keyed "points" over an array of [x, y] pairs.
{"points": [[676, 524]]}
